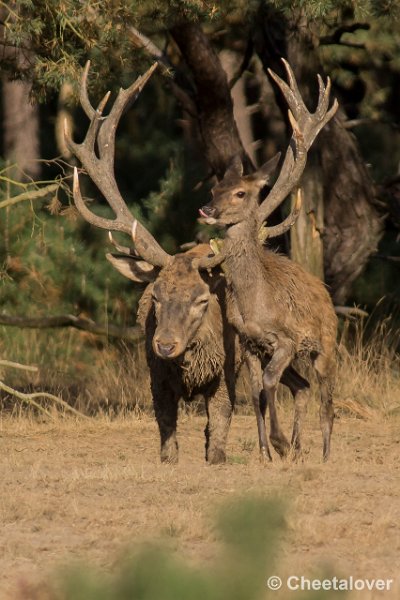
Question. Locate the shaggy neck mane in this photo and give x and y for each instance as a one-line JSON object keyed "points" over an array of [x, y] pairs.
{"points": [[204, 357]]}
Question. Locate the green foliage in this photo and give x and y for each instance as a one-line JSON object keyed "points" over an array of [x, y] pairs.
{"points": [[322, 9], [49, 263], [250, 530]]}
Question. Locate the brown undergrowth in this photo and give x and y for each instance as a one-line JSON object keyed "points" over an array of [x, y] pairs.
{"points": [[100, 377]]}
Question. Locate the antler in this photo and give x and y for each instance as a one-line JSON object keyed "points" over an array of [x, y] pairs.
{"points": [[267, 232], [306, 127], [100, 168]]}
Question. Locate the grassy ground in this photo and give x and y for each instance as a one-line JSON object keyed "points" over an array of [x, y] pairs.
{"points": [[86, 491]]}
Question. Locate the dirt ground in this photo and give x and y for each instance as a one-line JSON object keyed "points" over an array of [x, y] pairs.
{"points": [[77, 490]]}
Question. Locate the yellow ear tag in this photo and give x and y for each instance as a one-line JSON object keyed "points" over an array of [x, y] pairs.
{"points": [[216, 245], [262, 233]]}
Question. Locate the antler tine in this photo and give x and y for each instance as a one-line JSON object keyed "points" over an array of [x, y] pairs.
{"points": [[324, 94], [124, 98], [287, 92], [306, 127], [83, 93], [286, 224], [88, 215], [122, 249], [95, 122], [293, 85]]}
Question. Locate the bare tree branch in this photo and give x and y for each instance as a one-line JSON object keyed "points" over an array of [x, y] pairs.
{"points": [[129, 333], [350, 311], [30, 399], [14, 365], [335, 37], [181, 94]]}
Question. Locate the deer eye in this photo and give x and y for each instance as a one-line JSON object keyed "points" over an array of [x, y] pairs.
{"points": [[202, 301], [240, 194]]}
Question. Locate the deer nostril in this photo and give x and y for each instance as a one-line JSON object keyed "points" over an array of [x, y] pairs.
{"points": [[165, 349]]}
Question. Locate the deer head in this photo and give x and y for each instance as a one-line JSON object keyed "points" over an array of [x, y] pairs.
{"points": [[179, 297], [236, 196]]}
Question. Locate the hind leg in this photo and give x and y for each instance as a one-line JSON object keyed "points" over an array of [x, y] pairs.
{"points": [[271, 378], [299, 388], [325, 368]]}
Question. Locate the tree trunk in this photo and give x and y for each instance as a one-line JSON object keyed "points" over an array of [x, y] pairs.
{"points": [[230, 62], [21, 130], [305, 236], [213, 100], [352, 226]]}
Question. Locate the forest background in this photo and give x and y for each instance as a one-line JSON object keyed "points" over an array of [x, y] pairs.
{"points": [[210, 99]]}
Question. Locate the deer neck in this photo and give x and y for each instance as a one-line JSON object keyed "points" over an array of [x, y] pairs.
{"points": [[242, 264], [241, 245]]}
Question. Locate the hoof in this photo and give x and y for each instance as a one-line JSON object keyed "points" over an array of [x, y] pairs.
{"points": [[216, 457], [265, 456], [169, 459], [281, 446]]}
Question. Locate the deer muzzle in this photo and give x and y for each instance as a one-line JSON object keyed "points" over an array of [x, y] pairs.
{"points": [[163, 349], [207, 213]]}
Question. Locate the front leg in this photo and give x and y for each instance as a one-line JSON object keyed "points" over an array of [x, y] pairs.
{"points": [[165, 403], [255, 375], [219, 414]]}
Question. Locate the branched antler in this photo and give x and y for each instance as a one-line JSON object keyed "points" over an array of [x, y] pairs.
{"points": [[100, 166], [306, 127]]}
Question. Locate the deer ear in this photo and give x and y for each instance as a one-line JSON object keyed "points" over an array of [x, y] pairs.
{"points": [[139, 271], [264, 173], [235, 168]]}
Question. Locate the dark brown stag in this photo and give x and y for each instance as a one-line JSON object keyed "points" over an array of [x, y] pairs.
{"points": [[281, 310], [191, 348]]}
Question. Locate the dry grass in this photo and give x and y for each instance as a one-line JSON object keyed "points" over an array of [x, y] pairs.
{"points": [[368, 380], [75, 491]]}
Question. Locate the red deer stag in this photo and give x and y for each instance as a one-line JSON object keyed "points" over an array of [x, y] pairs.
{"points": [[191, 348], [282, 311]]}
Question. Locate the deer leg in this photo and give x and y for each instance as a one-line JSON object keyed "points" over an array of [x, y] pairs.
{"points": [[219, 413], [271, 377], [299, 388], [166, 411], [326, 375], [259, 403]]}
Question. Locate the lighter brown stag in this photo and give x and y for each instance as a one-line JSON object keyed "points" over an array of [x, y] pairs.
{"points": [[281, 310]]}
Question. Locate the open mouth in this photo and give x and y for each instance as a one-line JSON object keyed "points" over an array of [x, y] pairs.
{"points": [[206, 218]]}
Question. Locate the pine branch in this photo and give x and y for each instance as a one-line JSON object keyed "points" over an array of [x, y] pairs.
{"points": [[30, 195]]}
